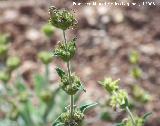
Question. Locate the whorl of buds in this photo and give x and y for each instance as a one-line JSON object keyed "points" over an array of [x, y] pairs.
{"points": [[136, 72], [69, 83], [66, 51], [13, 63], [62, 19], [45, 57], [3, 50], [119, 99], [140, 94], [48, 30], [138, 122], [110, 85], [76, 120], [46, 96], [134, 57], [4, 76]]}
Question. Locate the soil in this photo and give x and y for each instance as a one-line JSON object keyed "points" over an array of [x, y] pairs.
{"points": [[106, 36]]}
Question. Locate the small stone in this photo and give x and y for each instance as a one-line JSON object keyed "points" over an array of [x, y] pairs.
{"points": [[90, 15], [118, 16], [10, 15], [32, 34], [148, 49]]}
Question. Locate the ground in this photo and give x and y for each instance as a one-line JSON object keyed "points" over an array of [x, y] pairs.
{"points": [[105, 38]]}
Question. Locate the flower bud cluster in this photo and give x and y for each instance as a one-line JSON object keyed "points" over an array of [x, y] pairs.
{"points": [[13, 63], [69, 83], [45, 57], [110, 85], [75, 120], [46, 95], [138, 122], [66, 51], [4, 76], [62, 19], [48, 30], [119, 98]]}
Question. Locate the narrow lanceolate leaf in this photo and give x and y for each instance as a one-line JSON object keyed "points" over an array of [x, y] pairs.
{"points": [[58, 124], [147, 115], [86, 107], [60, 72]]}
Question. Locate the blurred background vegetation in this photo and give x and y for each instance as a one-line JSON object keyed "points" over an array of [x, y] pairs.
{"points": [[120, 42]]}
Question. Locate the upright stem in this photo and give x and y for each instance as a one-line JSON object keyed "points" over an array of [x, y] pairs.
{"points": [[131, 116], [47, 73], [69, 74]]}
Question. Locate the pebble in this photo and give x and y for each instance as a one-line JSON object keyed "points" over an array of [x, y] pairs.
{"points": [[32, 34]]}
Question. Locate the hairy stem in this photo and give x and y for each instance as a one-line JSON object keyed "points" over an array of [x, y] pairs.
{"points": [[69, 74], [131, 116]]}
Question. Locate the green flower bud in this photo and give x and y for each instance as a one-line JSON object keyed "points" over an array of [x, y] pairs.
{"points": [[3, 39], [70, 84], [76, 120], [45, 57], [119, 99], [78, 116], [46, 96], [134, 57], [48, 30], [4, 76], [13, 63], [66, 51], [3, 50], [62, 19], [136, 72], [110, 85], [65, 117], [140, 122], [140, 95]]}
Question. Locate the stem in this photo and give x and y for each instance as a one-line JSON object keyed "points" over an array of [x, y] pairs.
{"points": [[69, 74], [47, 73], [131, 116]]}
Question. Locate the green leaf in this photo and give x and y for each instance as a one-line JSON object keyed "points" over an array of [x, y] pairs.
{"points": [[106, 116], [60, 72], [39, 83], [146, 115], [125, 104], [59, 105], [83, 108], [21, 86], [58, 124], [120, 124]]}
